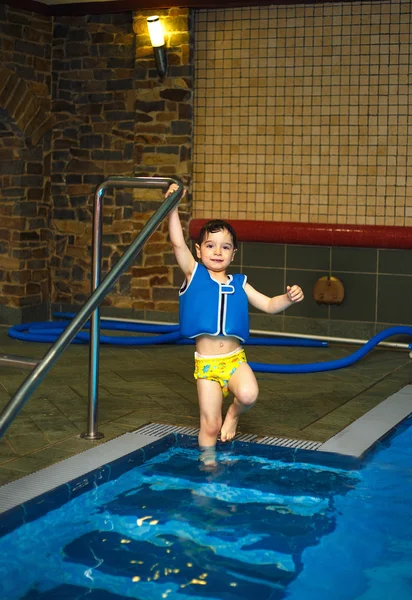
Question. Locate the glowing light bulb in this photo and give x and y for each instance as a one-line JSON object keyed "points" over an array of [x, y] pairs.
{"points": [[156, 33]]}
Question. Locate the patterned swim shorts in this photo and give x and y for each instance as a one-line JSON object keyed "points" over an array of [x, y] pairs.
{"points": [[219, 368]]}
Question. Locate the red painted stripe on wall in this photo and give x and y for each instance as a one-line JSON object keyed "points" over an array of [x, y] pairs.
{"points": [[316, 234]]}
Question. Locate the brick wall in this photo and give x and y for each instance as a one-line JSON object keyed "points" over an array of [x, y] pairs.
{"points": [[25, 122], [81, 100], [116, 117], [163, 144]]}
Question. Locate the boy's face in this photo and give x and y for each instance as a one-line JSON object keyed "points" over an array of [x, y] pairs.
{"points": [[216, 251]]}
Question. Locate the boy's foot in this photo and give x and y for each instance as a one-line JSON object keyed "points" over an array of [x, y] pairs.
{"points": [[229, 426], [208, 456]]}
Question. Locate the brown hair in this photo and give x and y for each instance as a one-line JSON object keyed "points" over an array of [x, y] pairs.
{"points": [[213, 227]]}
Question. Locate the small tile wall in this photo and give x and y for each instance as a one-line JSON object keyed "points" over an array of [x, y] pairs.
{"points": [[377, 284], [302, 113]]}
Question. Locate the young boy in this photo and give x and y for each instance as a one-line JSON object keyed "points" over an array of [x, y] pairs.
{"points": [[214, 311]]}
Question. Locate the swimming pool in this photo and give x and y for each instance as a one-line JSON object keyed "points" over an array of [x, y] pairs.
{"points": [[268, 523]]}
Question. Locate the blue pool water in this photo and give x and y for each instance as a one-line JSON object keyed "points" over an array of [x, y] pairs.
{"points": [[267, 524]]}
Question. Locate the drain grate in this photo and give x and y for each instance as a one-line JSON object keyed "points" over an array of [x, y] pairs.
{"points": [[158, 430], [289, 443], [246, 437]]}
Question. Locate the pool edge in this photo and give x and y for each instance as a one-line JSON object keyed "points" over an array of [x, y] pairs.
{"points": [[353, 441], [30, 486], [361, 435]]}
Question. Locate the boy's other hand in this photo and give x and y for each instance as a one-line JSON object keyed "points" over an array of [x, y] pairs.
{"points": [[294, 293]]}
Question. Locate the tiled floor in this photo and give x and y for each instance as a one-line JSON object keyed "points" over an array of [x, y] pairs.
{"points": [[146, 384]]}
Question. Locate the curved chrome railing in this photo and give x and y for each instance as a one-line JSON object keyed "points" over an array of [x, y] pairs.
{"points": [[100, 291]]}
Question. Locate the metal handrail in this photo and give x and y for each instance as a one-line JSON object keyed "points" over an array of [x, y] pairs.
{"points": [[28, 386], [93, 387]]}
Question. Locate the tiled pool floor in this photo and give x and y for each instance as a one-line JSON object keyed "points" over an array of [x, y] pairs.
{"points": [[139, 385]]}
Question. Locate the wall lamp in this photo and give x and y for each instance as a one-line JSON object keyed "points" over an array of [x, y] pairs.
{"points": [[157, 39]]}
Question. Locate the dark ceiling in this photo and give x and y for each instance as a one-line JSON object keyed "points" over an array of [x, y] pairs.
{"points": [[87, 8]]}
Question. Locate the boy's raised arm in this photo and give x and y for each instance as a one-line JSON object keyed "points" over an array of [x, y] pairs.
{"points": [[183, 255]]}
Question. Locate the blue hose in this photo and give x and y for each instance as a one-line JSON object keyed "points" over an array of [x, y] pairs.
{"points": [[339, 363], [49, 332], [170, 334], [165, 334]]}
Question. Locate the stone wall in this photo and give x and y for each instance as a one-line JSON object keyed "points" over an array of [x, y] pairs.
{"points": [[116, 117], [25, 121], [93, 99], [163, 146], [81, 100]]}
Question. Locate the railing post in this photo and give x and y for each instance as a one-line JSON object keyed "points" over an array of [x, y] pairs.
{"points": [[94, 345]]}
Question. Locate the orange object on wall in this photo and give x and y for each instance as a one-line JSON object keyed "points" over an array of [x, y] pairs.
{"points": [[328, 290]]}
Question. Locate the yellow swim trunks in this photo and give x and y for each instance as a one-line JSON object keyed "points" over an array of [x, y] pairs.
{"points": [[219, 368]]}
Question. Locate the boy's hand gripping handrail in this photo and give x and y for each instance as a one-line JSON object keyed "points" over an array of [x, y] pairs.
{"points": [[40, 371]]}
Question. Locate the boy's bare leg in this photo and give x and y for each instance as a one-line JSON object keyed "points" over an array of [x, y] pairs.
{"points": [[210, 406], [245, 388]]}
